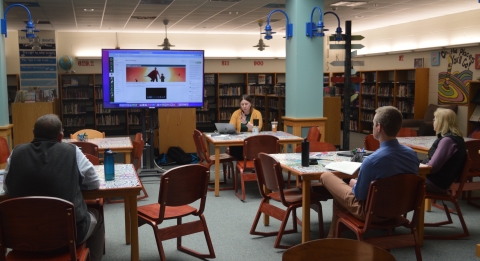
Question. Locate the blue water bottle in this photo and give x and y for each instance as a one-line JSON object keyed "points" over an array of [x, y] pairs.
{"points": [[109, 165]]}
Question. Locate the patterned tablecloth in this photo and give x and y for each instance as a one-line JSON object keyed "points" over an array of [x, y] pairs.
{"points": [[294, 161], [111, 143], [125, 176], [239, 137], [424, 142]]}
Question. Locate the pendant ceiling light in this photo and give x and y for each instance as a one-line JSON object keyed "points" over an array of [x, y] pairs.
{"points": [[261, 45], [166, 44]]}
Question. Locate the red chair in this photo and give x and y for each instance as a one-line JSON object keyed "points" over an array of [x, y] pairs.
{"points": [[207, 160], [473, 148], [271, 186], [314, 134], [407, 132], [370, 143], [251, 147], [451, 195], [179, 187], [39, 228], [389, 199], [4, 150], [93, 159]]}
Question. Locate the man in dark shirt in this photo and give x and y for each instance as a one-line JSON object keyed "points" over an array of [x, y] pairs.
{"points": [[48, 167]]}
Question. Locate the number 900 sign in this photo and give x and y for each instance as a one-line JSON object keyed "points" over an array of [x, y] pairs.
{"points": [[85, 63], [257, 63]]}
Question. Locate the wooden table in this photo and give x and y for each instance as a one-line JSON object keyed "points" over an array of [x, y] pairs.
{"points": [[420, 144], [237, 140], [292, 162], [116, 144], [127, 185]]}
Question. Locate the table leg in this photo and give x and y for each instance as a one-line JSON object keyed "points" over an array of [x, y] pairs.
{"points": [[428, 205], [217, 171], [128, 221], [127, 157], [306, 210], [135, 249]]}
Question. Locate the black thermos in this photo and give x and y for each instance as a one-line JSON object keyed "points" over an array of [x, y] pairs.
{"points": [[305, 153]]}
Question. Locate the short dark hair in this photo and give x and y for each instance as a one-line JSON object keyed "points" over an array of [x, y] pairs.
{"points": [[47, 127], [247, 98], [390, 118]]}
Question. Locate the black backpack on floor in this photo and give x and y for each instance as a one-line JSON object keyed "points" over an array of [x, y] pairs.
{"points": [[177, 155]]}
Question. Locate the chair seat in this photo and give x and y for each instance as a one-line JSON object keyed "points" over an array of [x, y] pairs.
{"points": [[152, 211], [223, 158], [292, 196], [396, 222], [82, 254]]}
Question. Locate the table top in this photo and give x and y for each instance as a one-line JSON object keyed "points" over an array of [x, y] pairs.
{"points": [[422, 142], [226, 138], [125, 177], [293, 161], [109, 143]]}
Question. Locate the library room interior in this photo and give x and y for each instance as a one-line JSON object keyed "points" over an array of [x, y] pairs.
{"points": [[300, 81]]}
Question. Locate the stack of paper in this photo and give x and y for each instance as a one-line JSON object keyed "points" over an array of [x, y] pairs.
{"points": [[346, 167]]}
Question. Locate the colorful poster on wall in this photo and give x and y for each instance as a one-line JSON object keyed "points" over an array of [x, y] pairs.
{"points": [[477, 61], [435, 58], [38, 62], [453, 83]]}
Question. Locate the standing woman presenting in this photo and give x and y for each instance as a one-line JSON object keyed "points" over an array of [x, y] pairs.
{"points": [[242, 119]]}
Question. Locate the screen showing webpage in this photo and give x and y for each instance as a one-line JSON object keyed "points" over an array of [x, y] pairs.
{"points": [[152, 78]]}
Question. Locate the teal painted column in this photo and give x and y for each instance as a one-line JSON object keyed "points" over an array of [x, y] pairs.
{"points": [[4, 120], [304, 63]]}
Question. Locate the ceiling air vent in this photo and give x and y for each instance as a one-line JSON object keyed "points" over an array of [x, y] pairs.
{"points": [[139, 17], [156, 2]]}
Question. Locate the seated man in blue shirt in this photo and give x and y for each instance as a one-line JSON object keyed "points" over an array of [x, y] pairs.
{"points": [[390, 159], [48, 167]]}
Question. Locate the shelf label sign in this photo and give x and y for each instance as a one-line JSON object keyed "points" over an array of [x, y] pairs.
{"points": [[225, 63], [85, 63], [257, 63]]}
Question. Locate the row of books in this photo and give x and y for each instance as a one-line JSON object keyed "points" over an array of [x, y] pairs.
{"points": [[108, 120], [230, 102], [230, 91], [134, 119], [74, 108], [99, 93], [279, 90], [75, 94], [368, 104], [99, 108], [406, 91], [225, 115], [369, 89], [368, 116], [385, 103], [74, 122], [259, 103], [35, 95], [209, 79], [406, 107], [259, 90], [385, 91], [203, 117]]}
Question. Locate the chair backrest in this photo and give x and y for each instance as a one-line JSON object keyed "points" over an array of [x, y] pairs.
{"points": [[92, 158], [407, 132], [4, 150], [314, 134], [87, 147], [336, 249], [182, 186], [370, 143], [457, 186], [92, 134], [202, 152], [137, 152], [138, 136], [269, 175], [394, 196], [317, 146], [33, 224], [473, 149], [259, 143]]}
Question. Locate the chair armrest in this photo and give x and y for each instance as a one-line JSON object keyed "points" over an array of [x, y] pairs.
{"points": [[411, 123]]}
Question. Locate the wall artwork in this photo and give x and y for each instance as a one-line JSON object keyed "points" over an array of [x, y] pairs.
{"points": [[453, 84], [418, 63], [435, 59], [477, 61]]}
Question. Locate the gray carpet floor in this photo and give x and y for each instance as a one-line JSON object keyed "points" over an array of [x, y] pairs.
{"points": [[229, 221]]}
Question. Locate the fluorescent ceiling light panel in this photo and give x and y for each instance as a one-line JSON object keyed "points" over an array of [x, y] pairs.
{"points": [[348, 3]]}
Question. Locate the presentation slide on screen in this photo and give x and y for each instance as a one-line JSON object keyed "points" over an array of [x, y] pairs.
{"points": [[166, 79]]}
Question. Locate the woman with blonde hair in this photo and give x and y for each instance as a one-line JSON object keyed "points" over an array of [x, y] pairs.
{"points": [[447, 154]]}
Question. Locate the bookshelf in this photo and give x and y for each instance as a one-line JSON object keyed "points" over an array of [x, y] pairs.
{"points": [[473, 103], [406, 89]]}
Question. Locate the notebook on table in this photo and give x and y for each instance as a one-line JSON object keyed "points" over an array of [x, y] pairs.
{"points": [[225, 128]]}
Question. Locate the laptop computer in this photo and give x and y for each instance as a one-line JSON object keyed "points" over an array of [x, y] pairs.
{"points": [[225, 128]]}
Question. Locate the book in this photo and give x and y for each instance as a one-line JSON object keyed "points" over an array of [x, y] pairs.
{"points": [[261, 79], [476, 114], [346, 167]]}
